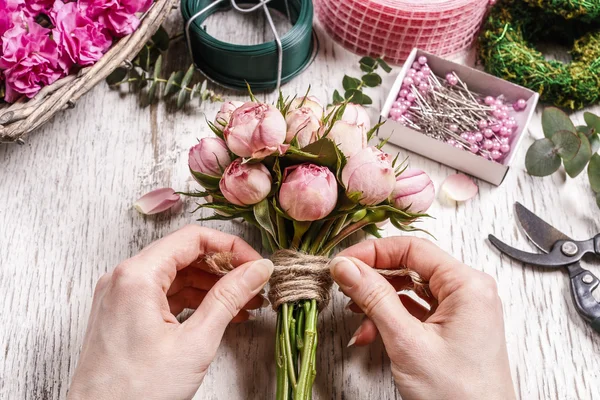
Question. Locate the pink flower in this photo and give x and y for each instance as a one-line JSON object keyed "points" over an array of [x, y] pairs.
{"points": [[117, 15], [245, 184], [256, 130], [30, 59], [224, 114], [302, 124], [82, 39], [355, 114], [414, 191], [369, 174], [209, 157], [309, 192], [310, 102], [10, 14], [156, 201], [350, 138], [35, 7]]}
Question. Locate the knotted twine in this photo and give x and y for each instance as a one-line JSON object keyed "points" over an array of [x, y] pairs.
{"points": [[298, 276]]}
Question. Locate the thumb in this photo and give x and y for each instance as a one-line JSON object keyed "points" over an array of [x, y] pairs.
{"points": [[374, 295], [228, 296]]}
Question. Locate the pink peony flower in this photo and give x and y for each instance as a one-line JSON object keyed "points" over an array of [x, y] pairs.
{"points": [[35, 7], [308, 192], [224, 114], [350, 138], [310, 102], [10, 15], [256, 130], [369, 173], [245, 184], [30, 59], [302, 124], [209, 157], [414, 191], [82, 39], [117, 15]]}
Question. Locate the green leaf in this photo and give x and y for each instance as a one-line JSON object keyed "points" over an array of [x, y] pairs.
{"points": [[263, 217], [152, 91], [353, 95], [161, 39], [384, 65], [554, 120], [594, 172], [157, 68], [594, 142], [541, 158], [322, 152], [350, 83], [195, 90], [369, 62], [578, 163], [155, 76], [117, 76], [187, 78], [207, 181], [203, 92], [143, 58], [183, 95], [567, 144], [173, 83], [598, 199], [337, 97], [371, 80], [592, 120], [373, 230], [366, 100]]}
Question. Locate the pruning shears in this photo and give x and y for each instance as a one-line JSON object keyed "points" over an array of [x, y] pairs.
{"points": [[559, 250]]}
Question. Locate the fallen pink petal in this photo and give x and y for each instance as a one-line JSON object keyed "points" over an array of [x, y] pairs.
{"points": [[459, 187], [157, 201]]}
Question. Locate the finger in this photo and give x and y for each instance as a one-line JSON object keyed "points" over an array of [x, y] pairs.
{"points": [[365, 334], [162, 259], [192, 298], [442, 271], [192, 277], [412, 306], [373, 294], [227, 298]]}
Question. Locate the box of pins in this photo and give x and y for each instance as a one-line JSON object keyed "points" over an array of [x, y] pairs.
{"points": [[457, 115]]}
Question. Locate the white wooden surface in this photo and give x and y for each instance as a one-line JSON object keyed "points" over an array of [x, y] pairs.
{"points": [[66, 219]]}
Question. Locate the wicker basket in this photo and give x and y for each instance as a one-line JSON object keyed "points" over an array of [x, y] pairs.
{"points": [[22, 117]]}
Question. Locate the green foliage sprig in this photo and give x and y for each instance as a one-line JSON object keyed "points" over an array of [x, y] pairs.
{"points": [[353, 87], [564, 143], [146, 73]]}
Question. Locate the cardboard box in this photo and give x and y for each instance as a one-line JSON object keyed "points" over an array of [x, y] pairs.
{"points": [[479, 82]]}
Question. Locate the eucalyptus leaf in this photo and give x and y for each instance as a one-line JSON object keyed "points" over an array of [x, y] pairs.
{"points": [[577, 164], [371, 80], [554, 120], [594, 172], [384, 65], [117, 76], [263, 217], [195, 90], [592, 120], [152, 89], [143, 58], [594, 142], [182, 98], [567, 144], [173, 83], [157, 68], [541, 158], [350, 83], [187, 78], [161, 39]]}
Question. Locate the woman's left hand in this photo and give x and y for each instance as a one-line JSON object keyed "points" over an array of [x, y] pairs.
{"points": [[134, 346]]}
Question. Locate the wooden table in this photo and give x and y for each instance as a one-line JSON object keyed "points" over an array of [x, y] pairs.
{"points": [[66, 218]]}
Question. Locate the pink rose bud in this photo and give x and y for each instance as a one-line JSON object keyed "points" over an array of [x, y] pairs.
{"points": [[302, 124], [309, 192], [355, 114], [310, 102], [256, 130], [369, 173], [209, 157], [413, 192], [350, 138], [245, 184], [224, 114], [156, 201]]}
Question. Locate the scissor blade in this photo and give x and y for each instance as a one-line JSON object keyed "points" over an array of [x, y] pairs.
{"points": [[538, 259], [541, 233]]}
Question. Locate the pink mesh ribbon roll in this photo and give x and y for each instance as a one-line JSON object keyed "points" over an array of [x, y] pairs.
{"points": [[392, 28]]}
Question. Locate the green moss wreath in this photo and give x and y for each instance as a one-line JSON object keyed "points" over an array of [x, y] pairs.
{"points": [[507, 48]]}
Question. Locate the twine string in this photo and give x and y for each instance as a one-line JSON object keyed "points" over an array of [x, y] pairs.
{"points": [[298, 276]]}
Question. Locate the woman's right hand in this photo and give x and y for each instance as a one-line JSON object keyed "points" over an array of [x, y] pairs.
{"points": [[455, 351]]}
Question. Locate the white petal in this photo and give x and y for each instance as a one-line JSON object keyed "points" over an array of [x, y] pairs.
{"points": [[459, 187]]}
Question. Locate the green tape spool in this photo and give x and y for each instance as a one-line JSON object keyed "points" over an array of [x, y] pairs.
{"points": [[232, 65]]}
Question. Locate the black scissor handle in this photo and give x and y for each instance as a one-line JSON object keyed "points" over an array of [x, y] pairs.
{"points": [[583, 283]]}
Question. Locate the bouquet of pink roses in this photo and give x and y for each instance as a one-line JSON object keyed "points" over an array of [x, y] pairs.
{"points": [[307, 179], [42, 41]]}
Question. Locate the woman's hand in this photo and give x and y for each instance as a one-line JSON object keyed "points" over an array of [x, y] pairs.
{"points": [[455, 351], [135, 348]]}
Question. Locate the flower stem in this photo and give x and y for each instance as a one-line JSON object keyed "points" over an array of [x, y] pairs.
{"points": [[304, 388], [318, 242], [282, 381], [347, 231], [288, 345]]}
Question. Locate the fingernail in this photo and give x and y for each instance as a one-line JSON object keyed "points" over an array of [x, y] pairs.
{"points": [[347, 307], [264, 303], [257, 274], [353, 339], [345, 272]]}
